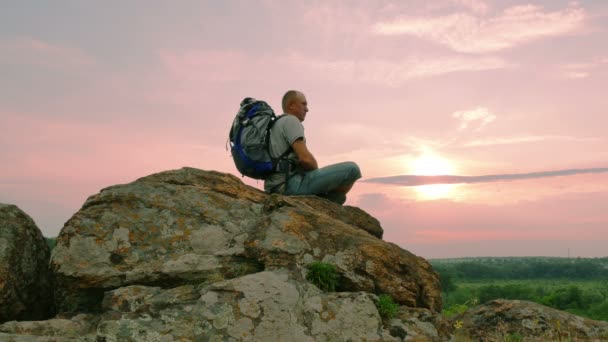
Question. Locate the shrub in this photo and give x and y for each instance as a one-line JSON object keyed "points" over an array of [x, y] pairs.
{"points": [[323, 275], [386, 306], [455, 309]]}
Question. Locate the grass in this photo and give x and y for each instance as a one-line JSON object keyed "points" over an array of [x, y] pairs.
{"points": [[323, 275], [386, 306]]}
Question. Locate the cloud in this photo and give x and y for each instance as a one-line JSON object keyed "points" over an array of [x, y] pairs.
{"points": [[476, 6], [226, 66], [393, 73], [480, 115], [522, 139], [212, 66], [583, 70], [38, 52], [415, 180], [468, 33]]}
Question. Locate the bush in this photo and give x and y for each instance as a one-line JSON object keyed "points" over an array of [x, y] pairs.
{"points": [[455, 309], [323, 275], [386, 306]]}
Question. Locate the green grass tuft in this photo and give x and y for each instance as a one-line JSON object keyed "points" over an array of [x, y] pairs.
{"points": [[386, 306], [323, 275]]}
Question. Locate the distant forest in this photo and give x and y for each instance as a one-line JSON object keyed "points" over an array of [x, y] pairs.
{"points": [[522, 268], [575, 285], [51, 242]]}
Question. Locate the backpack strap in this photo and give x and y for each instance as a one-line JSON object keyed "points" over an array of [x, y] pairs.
{"points": [[277, 161], [289, 149]]}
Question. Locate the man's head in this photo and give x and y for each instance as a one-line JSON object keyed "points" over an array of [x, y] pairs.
{"points": [[294, 103]]}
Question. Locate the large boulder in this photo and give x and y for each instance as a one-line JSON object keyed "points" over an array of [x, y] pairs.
{"points": [[191, 226], [510, 320], [265, 306], [25, 278]]}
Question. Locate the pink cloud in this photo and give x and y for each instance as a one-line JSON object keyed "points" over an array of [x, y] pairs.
{"points": [[388, 72], [476, 6], [572, 208], [479, 117], [104, 153], [584, 69], [467, 33], [210, 66], [524, 139], [224, 66], [38, 52]]}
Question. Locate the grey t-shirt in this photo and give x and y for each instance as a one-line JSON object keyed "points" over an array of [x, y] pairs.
{"points": [[282, 135]]}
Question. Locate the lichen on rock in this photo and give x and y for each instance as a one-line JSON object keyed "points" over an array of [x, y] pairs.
{"points": [[25, 278]]}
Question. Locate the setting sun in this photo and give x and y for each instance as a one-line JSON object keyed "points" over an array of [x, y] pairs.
{"points": [[432, 164]]}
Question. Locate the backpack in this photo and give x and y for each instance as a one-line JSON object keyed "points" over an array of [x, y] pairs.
{"points": [[250, 138]]}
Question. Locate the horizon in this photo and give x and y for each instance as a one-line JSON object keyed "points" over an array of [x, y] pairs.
{"points": [[479, 126]]}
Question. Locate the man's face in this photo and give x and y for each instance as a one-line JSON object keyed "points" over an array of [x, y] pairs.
{"points": [[299, 107]]}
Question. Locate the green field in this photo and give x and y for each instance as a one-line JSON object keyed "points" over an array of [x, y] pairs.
{"points": [[578, 286]]}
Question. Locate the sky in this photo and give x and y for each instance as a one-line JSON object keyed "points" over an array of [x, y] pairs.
{"points": [[480, 127]]}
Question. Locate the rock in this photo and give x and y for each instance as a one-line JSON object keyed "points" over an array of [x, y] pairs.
{"points": [[505, 320], [25, 279], [266, 306], [78, 328], [294, 234], [415, 324], [191, 226]]}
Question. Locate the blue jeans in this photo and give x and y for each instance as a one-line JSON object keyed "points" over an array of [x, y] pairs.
{"points": [[322, 182]]}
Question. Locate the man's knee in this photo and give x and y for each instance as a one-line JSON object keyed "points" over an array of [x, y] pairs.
{"points": [[354, 172]]}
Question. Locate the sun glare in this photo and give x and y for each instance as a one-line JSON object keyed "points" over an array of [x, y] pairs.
{"points": [[432, 164]]}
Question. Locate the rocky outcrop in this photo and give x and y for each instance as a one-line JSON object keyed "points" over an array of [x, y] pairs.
{"points": [[191, 255], [81, 327], [265, 306], [506, 320], [190, 226], [25, 278]]}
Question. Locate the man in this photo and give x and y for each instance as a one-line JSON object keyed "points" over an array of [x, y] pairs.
{"points": [[304, 177]]}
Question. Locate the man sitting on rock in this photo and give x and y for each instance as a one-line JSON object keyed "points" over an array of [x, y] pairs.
{"points": [[300, 174]]}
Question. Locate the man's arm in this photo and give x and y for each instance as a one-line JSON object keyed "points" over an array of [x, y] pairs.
{"points": [[306, 159]]}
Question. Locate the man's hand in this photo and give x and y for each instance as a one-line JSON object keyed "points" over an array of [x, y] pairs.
{"points": [[306, 159]]}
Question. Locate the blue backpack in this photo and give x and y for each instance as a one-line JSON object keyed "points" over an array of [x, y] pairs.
{"points": [[250, 137]]}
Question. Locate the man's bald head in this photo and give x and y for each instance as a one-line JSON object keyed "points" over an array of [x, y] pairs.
{"points": [[294, 103], [289, 97]]}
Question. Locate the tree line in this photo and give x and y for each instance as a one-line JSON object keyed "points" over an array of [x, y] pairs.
{"points": [[578, 286], [524, 268]]}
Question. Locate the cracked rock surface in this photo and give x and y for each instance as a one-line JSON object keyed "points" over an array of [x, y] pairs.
{"points": [[190, 254], [25, 279]]}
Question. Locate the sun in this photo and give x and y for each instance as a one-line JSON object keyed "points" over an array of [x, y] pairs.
{"points": [[430, 163]]}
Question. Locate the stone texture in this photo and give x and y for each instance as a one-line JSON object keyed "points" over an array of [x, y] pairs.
{"points": [[499, 319], [78, 328], [294, 235], [266, 306], [25, 278], [194, 226], [415, 324]]}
